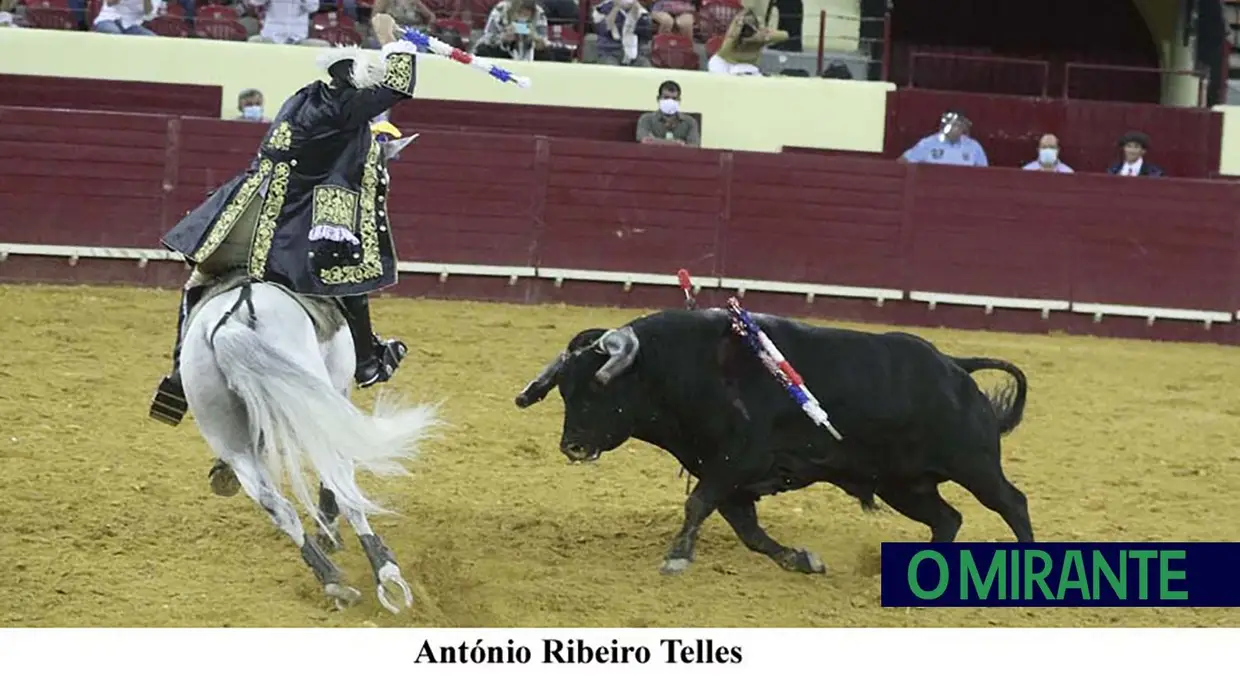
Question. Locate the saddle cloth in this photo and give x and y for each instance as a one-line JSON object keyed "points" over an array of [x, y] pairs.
{"points": [[325, 313]]}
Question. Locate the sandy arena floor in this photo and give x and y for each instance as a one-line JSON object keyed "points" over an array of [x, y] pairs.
{"points": [[108, 519]]}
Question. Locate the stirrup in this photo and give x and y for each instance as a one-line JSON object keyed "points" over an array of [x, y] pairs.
{"points": [[169, 405]]}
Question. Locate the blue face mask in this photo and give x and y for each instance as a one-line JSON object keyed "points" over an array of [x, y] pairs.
{"points": [[252, 112]]}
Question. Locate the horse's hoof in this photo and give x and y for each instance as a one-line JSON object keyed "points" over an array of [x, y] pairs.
{"points": [[813, 563], [224, 481], [343, 596], [672, 567], [389, 575]]}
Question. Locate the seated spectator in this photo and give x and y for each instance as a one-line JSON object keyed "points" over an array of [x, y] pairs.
{"points": [[837, 70], [287, 22], [8, 14], [407, 13], [1048, 156], [950, 146], [623, 28], [1135, 145], [127, 16], [250, 105], [673, 15], [515, 29], [743, 43], [668, 126]]}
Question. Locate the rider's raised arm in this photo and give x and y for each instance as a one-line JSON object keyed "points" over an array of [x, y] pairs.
{"points": [[399, 77]]}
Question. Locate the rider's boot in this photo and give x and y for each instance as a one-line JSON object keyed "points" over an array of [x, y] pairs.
{"points": [[376, 359], [169, 405]]}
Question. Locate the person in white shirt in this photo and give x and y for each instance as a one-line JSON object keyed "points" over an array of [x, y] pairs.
{"points": [[287, 22], [1048, 156], [127, 16], [1135, 145]]}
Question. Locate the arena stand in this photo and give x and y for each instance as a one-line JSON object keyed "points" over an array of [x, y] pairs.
{"points": [[526, 218]]}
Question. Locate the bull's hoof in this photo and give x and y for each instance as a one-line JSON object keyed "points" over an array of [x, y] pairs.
{"points": [[801, 560], [672, 567]]}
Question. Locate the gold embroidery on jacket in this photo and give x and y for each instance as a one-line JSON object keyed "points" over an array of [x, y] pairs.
{"points": [[334, 205], [267, 219], [398, 73], [371, 265], [281, 138], [232, 212]]}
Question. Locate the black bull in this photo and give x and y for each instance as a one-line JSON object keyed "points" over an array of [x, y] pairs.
{"points": [[910, 416]]}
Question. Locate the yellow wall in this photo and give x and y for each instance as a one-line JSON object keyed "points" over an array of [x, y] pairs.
{"points": [[739, 113], [1166, 25]]}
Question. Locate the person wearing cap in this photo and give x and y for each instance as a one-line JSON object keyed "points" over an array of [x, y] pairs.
{"points": [[310, 212], [950, 146], [1135, 145]]}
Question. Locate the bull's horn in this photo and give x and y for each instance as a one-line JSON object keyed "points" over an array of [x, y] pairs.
{"points": [[621, 347], [538, 388]]}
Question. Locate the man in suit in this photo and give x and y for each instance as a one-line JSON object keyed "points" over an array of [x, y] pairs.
{"points": [[1135, 145]]}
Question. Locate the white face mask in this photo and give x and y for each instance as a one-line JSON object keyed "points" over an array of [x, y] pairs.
{"points": [[252, 112], [1048, 156], [669, 106]]}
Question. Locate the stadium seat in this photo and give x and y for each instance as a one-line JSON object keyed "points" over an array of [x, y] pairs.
{"points": [[459, 26], [715, 16], [170, 25], [324, 20], [336, 35], [50, 14], [673, 51], [213, 11], [476, 12], [220, 29], [712, 45], [444, 8], [563, 35]]}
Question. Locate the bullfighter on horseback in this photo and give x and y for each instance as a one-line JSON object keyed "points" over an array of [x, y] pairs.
{"points": [[310, 212]]}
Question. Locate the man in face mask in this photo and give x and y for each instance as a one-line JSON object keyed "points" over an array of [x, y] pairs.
{"points": [[668, 126], [310, 212], [1048, 156]]}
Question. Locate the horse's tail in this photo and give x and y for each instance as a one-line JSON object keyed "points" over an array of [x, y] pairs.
{"points": [[295, 415]]}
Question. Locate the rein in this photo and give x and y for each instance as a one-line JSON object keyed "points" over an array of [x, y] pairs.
{"points": [[247, 297]]}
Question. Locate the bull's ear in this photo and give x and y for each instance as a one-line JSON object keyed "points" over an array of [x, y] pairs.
{"points": [[585, 339], [621, 347], [539, 387]]}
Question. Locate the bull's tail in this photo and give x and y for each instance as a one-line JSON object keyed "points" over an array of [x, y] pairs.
{"points": [[1007, 401]]}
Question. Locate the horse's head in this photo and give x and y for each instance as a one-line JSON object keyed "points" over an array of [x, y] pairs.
{"points": [[389, 138]]}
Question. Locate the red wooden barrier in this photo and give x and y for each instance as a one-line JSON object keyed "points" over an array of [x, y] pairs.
{"points": [[531, 219], [110, 95]]}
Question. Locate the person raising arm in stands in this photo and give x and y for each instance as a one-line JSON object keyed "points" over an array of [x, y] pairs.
{"points": [[743, 44]]}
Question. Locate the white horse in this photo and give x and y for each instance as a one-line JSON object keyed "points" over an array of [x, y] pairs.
{"points": [[267, 376]]}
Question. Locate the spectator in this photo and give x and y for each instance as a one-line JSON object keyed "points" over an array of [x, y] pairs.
{"points": [[250, 105], [668, 126], [407, 13], [1135, 145], [515, 29], [127, 16], [623, 28], [743, 43], [1048, 156], [8, 14], [950, 146], [837, 70], [673, 15], [287, 22]]}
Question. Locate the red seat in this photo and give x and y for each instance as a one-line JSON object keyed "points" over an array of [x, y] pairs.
{"points": [[444, 8], [564, 35], [673, 51], [712, 45], [218, 12], [50, 14], [715, 16], [220, 29], [169, 25], [322, 20], [173, 8], [476, 12], [456, 25]]}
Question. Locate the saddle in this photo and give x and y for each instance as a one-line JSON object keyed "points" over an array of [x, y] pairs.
{"points": [[325, 314]]}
